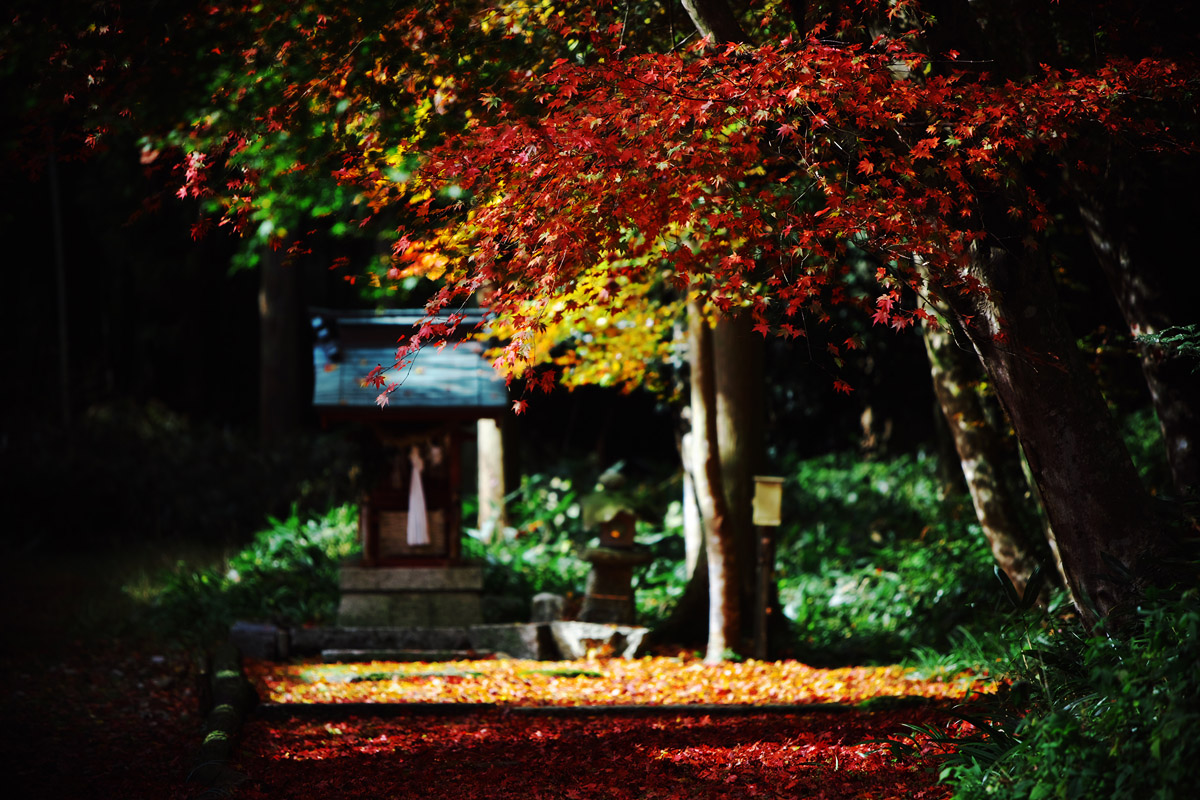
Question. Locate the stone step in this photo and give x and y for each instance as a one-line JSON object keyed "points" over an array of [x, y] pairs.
{"points": [[353, 656]]}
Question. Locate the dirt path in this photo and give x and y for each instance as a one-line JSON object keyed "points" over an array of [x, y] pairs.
{"points": [[94, 709], [90, 709]]}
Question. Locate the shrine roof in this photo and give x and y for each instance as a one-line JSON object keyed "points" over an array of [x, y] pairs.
{"points": [[453, 380]]}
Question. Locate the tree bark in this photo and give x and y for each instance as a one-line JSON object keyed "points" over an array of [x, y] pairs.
{"points": [[983, 454], [693, 525], [60, 287], [727, 377], [1104, 525], [724, 623], [279, 377], [714, 19], [738, 364]]}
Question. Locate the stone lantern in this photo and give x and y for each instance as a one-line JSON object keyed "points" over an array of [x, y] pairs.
{"points": [[609, 596]]}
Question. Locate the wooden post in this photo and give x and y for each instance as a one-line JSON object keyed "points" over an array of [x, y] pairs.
{"points": [[766, 574], [768, 496]]}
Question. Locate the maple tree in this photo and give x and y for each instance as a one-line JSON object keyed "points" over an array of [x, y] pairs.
{"points": [[770, 163], [537, 156]]}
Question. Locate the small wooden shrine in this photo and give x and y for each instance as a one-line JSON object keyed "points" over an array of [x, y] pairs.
{"points": [[411, 573]]}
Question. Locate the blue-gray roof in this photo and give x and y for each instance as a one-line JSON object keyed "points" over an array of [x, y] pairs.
{"points": [[454, 379]]}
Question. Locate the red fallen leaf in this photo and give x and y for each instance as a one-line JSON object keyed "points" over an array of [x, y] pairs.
{"points": [[495, 755]]}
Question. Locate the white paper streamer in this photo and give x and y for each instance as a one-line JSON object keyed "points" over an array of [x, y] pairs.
{"points": [[418, 523]]}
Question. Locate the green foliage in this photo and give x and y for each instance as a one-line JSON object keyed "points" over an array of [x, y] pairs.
{"points": [[1106, 717], [540, 553], [1181, 340], [874, 563], [553, 522], [1143, 439], [288, 574], [661, 582]]}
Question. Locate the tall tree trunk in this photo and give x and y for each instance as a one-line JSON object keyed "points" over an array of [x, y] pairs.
{"points": [[60, 285], [714, 19], [688, 622], [1105, 527], [724, 623], [279, 348], [738, 364], [1106, 533], [989, 466], [693, 525]]}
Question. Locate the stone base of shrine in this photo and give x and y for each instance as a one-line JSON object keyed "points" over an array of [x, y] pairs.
{"points": [[544, 641], [411, 597]]}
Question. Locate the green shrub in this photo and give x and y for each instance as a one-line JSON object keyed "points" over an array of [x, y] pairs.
{"points": [[873, 562], [540, 552], [1107, 718], [1143, 439], [659, 583], [552, 525], [288, 574]]}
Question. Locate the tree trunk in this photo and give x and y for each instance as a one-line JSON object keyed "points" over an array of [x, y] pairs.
{"points": [[279, 349], [724, 623], [60, 287], [719, 407], [738, 365], [984, 456], [714, 19], [1104, 525], [693, 526], [688, 623]]}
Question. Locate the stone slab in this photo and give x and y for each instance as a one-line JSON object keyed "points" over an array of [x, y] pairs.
{"points": [[409, 609], [307, 641], [517, 640], [459, 577], [574, 639], [406, 656], [542, 642]]}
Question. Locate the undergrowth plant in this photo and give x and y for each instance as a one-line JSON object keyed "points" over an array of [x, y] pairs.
{"points": [[554, 519], [540, 552], [874, 562], [287, 574], [1084, 715]]}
